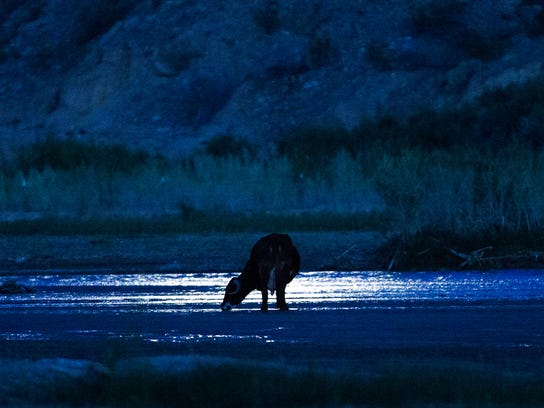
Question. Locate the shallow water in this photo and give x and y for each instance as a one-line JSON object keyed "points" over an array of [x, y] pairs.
{"points": [[340, 316], [197, 292]]}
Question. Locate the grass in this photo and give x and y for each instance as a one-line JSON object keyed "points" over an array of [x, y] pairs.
{"points": [[402, 190], [209, 383], [72, 154], [467, 171], [467, 192], [208, 189], [195, 222]]}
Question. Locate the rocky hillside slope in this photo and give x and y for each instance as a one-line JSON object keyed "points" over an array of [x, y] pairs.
{"points": [[167, 75]]}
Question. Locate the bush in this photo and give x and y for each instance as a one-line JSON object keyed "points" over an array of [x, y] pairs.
{"points": [[312, 150], [227, 145], [7, 7], [495, 120], [70, 154], [477, 168], [267, 18], [380, 55], [436, 17], [442, 19], [537, 26], [205, 187], [320, 51], [500, 113], [97, 17], [463, 191], [481, 47]]}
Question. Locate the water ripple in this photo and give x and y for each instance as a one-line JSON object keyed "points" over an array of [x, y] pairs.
{"points": [[198, 292]]}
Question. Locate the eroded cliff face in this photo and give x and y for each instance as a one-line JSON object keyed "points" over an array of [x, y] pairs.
{"points": [[168, 75]]}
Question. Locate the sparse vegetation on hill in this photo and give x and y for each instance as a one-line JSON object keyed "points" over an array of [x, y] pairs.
{"points": [[73, 155], [161, 75]]}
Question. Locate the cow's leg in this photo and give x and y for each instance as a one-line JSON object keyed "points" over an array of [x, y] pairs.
{"points": [[264, 304], [280, 298], [263, 276]]}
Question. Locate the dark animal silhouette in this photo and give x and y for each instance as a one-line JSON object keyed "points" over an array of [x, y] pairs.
{"points": [[273, 263]]}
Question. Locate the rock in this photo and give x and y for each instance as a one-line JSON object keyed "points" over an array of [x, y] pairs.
{"points": [[11, 287], [26, 382]]}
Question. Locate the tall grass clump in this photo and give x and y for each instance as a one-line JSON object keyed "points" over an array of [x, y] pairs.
{"points": [[72, 154], [472, 191], [474, 168], [83, 181], [234, 184]]}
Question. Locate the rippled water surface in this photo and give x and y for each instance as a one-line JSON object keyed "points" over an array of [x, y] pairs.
{"points": [[182, 293], [338, 316]]}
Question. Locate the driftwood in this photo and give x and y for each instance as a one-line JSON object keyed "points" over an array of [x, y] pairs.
{"points": [[341, 262], [473, 258], [477, 258]]}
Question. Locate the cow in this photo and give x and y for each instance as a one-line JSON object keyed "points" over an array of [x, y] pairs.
{"points": [[273, 263]]}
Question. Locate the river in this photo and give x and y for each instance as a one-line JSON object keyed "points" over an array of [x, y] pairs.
{"points": [[343, 318]]}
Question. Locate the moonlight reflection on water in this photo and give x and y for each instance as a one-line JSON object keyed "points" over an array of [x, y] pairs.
{"points": [[342, 317], [198, 292]]}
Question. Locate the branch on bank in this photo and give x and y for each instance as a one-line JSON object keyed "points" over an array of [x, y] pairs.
{"points": [[342, 262], [478, 259], [473, 258]]}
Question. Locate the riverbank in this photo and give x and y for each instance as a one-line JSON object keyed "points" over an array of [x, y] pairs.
{"points": [[228, 252], [203, 381], [221, 252], [480, 250]]}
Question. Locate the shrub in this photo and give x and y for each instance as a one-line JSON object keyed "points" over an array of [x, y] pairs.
{"points": [[442, 19], [436, 17], [311, 150], [228, 145], [321, 50], [479, 46], [496, 119], [380, 55], [537, 26], [71, 154], [97, 17], [462, 191], [7, 7], [476, 168], [501, 112], [267, 18]]}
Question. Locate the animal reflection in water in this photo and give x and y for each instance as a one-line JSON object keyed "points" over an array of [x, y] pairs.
{"points": [[273, 263]]}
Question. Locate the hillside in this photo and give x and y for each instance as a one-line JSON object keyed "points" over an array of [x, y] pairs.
{"points": [[166, 76]]}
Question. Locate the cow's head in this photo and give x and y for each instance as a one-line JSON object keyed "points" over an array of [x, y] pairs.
{"points": [[233, 295]]}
